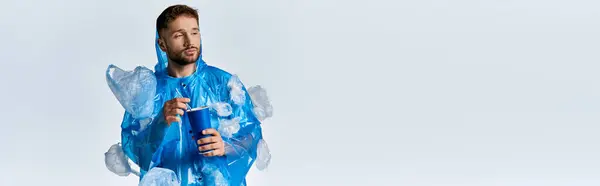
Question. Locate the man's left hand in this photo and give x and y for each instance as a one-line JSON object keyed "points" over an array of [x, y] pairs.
{"points": [[214, 142]]}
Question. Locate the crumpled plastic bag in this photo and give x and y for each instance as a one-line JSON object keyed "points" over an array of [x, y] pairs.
{"points": [[262, 106], [263, 155], [159, 177], [236, 92], [223, 109], [135, 90], [116, 161], [263, 110], [228, 127]]}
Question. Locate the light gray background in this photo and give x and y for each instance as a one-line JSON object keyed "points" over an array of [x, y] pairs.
{"points": [[365, 92]]}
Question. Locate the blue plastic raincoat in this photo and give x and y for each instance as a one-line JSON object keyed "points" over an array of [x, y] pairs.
{"points": [[149, 142]]}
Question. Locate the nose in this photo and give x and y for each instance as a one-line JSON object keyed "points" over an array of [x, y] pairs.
{"points": [[186, 41]]}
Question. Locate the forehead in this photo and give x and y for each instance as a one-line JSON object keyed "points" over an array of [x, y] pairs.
{"points": [[184, 22]]}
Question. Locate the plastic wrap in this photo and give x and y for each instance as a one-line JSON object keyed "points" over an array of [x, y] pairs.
{"points": [[263, 155], [262, 106], [263, 110], [116, 161], [237, 94], [160, 177], [134, 90], [222, 109], [228, 127]]}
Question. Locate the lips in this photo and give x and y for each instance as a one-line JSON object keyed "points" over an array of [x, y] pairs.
{"points": [[190, 51]]}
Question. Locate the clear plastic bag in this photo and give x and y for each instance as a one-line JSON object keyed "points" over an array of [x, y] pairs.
{"points": [[237, 94], [263, 110], [263, 157], [160, 177], [262, 106], [116, 161], [228, 127], [222, 109], [135, 90]]}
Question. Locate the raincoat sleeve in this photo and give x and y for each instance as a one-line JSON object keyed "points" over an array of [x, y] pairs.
{"points": [[142, 127], [241, 147], [139, 144]]}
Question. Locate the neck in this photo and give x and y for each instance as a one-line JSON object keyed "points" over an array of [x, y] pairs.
{"points": [[179, 71]]}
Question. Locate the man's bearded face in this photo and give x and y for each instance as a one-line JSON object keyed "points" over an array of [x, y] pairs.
{"points": [[181, 41]]}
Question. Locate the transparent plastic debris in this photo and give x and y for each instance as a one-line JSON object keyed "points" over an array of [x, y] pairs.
{"points": [[262, 106], [236, 91], [135, 169], [160, 177], [223, 109], [134, 90], [144, 123], [116, 161], [228, 127], [214, 175], [263, 157]]}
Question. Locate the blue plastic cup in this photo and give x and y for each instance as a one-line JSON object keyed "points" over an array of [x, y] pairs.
{"points": [[199, 120]]}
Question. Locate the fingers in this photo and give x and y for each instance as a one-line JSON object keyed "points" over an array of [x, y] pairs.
{"points": [[207, 140], [214, 144], [207, 147], [217, 152], [211, 131], [214, 149], [174, 104], [174, 107], [171, 119], [182, 100], [179, 105], [175, 111]]}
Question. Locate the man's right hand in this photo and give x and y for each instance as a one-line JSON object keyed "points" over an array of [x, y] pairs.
{"points": [[174, 107]]}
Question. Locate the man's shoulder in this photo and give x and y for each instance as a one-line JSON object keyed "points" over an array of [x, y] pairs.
{"points": [[217, 72]]}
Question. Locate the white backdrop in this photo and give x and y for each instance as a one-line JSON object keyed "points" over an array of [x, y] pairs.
{"points": [[365, 92]]}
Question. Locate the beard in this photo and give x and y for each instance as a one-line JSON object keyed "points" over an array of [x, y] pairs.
{"points": [[179, 57]]}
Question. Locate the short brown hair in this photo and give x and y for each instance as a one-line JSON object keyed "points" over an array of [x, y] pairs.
{"points": [[172, 13]]}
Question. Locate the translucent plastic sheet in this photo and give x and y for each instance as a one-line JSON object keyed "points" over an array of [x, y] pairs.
{"points": [[222, 109], [160, 177], [264, 155], [154, 145], [262, 105], [263, 110], [237, 94], [135, 89], [116, 161], [228, 127]]}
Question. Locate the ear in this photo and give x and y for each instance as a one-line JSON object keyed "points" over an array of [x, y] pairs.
{"points": [[162, 44]]}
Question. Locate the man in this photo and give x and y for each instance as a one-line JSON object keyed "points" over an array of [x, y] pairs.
{"points": [[184, 80]]}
